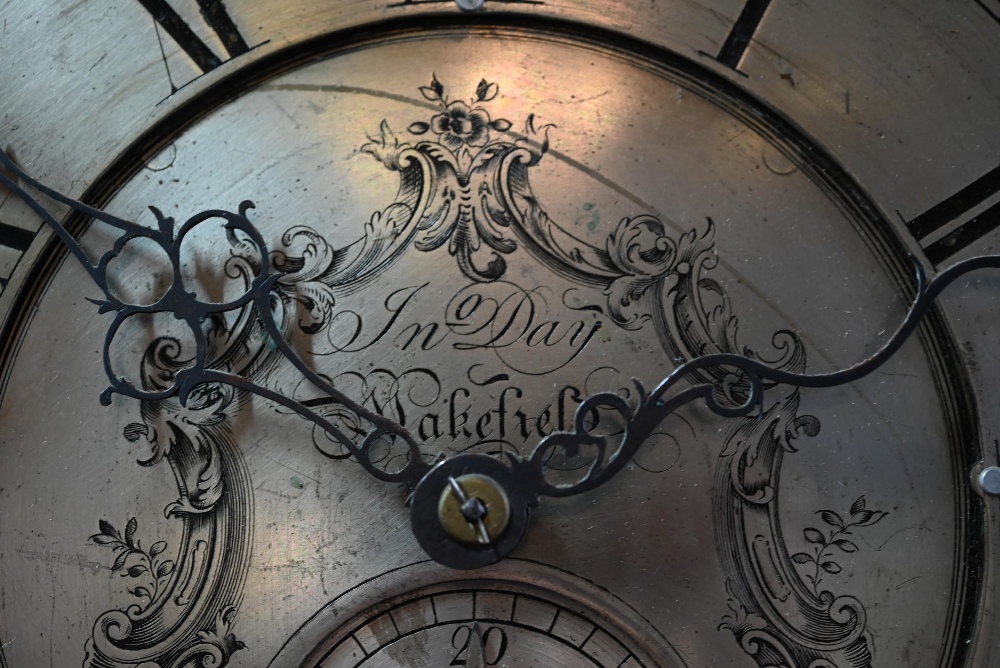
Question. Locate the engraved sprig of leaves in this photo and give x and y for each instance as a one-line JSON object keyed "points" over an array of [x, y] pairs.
{"points": [[143, 566], [828, 543]]}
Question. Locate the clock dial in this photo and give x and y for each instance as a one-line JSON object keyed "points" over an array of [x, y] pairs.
{"points": [[473, 229]]}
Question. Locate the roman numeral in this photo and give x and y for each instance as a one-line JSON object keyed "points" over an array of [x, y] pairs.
{"points": [[14, 241], [992, 8], [15, 237], [216, 17], [743, 31], [954, 208]]}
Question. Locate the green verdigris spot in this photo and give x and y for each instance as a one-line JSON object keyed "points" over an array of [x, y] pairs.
{"points": [[592, 217]]}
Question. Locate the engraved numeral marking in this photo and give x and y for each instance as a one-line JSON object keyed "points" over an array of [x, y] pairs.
{"points": [[14, 241], [953, 208], [992, 8], [743, 31], [216, 17], [14, 238]]}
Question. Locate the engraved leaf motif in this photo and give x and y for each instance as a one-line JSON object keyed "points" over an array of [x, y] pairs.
{"points": [[532, 132], [814, 536], [165, 569], [419, 128], [107, 529], [436, 85], [306, 255], [120, 560], [823, 561], [130, 531], [143, 563], [385, 147], [831, 567], [486, 91], [501, 125], [831, 518], [134, 431], [808, 425], [641, 251], [845, 545], [319, 300], [434, 91], [867, 518]]}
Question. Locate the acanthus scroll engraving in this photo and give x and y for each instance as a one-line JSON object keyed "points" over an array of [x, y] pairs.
{"points": [[466, 192]]}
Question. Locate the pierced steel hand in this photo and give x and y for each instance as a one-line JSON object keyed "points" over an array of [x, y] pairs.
{"points": [[523, 481]]}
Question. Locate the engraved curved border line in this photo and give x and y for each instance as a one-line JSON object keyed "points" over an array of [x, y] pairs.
{"points": [[650, 411], [401, 29], [404, 28], [212, 563], [190, 110], [580, 596]]}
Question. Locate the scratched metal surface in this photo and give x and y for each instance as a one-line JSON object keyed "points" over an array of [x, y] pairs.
{"points": [[690, 571]]}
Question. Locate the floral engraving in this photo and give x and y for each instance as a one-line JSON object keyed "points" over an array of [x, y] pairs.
{"points": [[827, 543], [472, 202], [187, 602], [145, 567], [459, 125], [767, 590], [465, 187]]}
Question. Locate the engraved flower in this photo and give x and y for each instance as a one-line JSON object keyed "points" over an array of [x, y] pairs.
{"points": [[460, 125]]}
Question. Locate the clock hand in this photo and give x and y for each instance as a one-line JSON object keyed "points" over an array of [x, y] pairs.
{"points": [[185, 306], [524, 481], [476, 650], [655, 406], [473, 510], [513, 488]]}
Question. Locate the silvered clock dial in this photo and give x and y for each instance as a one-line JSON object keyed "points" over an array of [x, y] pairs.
{"points": [[397, 336]]}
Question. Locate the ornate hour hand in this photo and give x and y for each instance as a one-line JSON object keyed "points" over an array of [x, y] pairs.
{"points": [[468, 510], [671, 394], [527, 479]]}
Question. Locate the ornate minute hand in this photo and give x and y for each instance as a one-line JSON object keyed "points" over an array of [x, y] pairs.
{"points": [[502, 493], [185, 306]]}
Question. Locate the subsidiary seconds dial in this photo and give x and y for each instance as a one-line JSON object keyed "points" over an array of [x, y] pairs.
{"points": [[626, 365], [522, 615]]}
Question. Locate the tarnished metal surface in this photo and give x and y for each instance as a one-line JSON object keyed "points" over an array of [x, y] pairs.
{"points": [[481, 222]]}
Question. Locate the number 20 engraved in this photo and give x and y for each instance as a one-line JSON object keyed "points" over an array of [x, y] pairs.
{"points": [[462, 637]]}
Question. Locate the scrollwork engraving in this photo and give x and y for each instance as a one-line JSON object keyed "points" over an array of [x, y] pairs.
{"points": [[464, 187]]}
